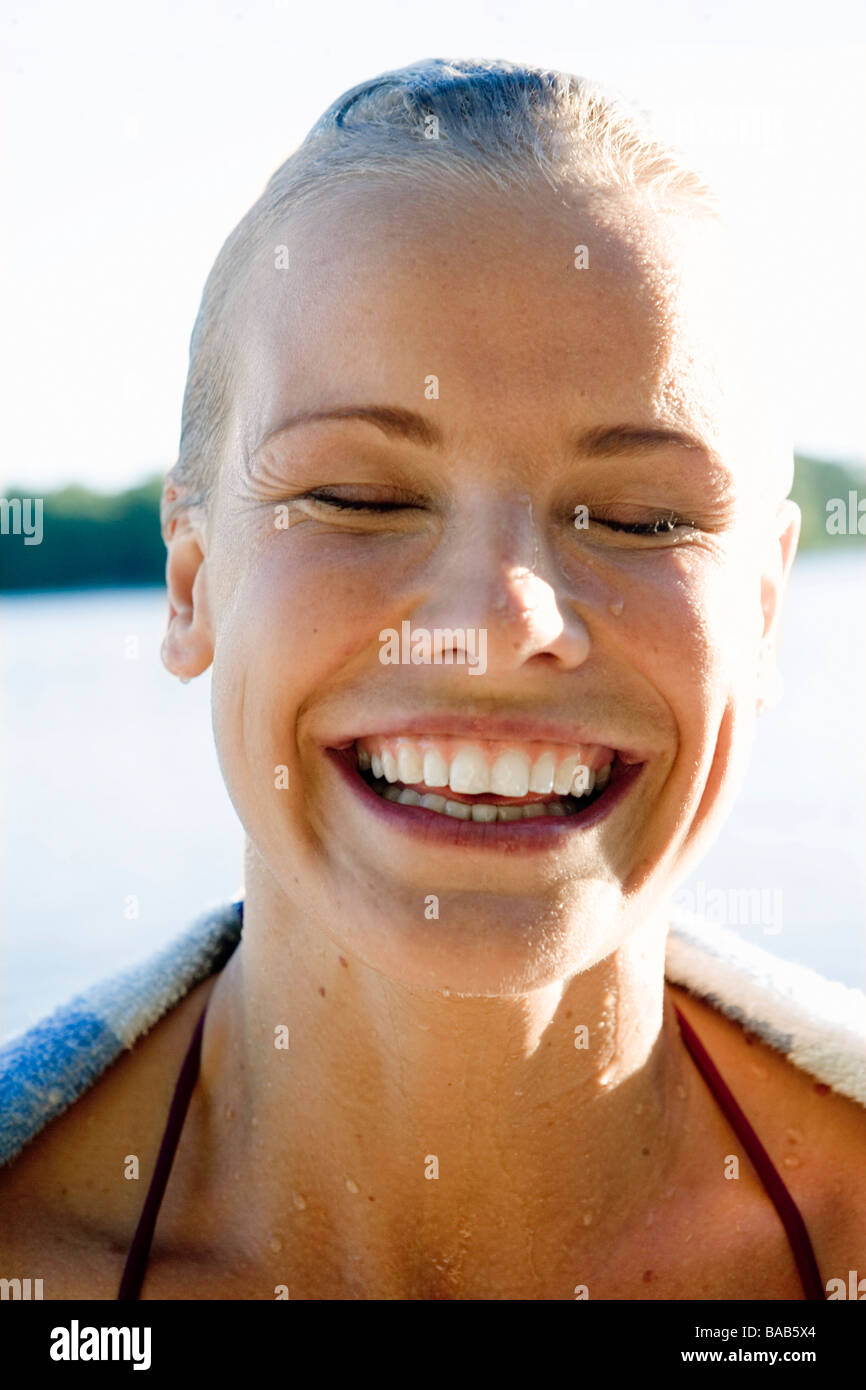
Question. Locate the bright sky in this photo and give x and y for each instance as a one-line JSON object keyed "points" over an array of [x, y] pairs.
{"points": [[134, 137]]}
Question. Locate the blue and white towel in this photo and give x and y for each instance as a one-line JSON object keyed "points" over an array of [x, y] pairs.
{"points": [[820, 1026]]}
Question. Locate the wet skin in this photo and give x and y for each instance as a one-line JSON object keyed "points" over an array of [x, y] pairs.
{"points": [[454, 1037]]}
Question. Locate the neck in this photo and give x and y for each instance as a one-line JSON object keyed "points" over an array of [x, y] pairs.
{"points": [[437, 1130]]}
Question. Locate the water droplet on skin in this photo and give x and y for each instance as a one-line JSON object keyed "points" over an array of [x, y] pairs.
{"points": [[792, 1161], [794, 1136], [681, 1092], [760, 1072], [352, 1186], [616, 607], [229, 1112], [299, 1201], [587, 1218], [276, 1244]]}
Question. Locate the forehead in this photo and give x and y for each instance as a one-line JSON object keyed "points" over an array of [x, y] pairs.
{"points": [[492, 295]]}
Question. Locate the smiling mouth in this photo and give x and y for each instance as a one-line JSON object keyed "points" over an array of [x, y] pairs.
{"points": [[486, 782]]}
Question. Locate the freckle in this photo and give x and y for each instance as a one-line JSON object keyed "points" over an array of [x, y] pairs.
{"points": [[299, 1201], [322, 990], [821, 1087], [343, 961], [648, 1276], [371, 1199], [645, 1152], [568, 1014], [792, 1161], [352, 1186], [276, 1244]]}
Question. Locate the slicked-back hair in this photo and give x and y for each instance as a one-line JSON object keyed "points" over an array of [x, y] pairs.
{"points": [[438, 124]]}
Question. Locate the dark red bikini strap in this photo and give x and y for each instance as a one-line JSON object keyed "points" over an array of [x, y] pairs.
{"points": [[789, 1212], [139, 1251]]}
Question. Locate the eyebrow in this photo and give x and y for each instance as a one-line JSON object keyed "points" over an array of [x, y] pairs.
{"points": [[393, 420], [398, 422]]}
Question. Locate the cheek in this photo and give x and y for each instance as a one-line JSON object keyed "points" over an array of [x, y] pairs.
{"points": [[304, 609], [299, 618], [690, 626]]}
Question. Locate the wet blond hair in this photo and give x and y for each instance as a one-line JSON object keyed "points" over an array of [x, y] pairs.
{"points": [[441, 124]]}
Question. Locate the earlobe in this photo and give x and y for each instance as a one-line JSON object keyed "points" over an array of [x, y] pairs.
{"points": [[188, 645]]}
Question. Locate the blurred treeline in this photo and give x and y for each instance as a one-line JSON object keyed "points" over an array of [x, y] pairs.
{"points": [[92, 539]]}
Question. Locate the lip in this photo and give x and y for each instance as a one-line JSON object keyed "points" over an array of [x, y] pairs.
{"points": [[493, 728], [540, 833]]}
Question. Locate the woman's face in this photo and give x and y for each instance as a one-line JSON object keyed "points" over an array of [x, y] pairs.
{"points": [[543, 399]]}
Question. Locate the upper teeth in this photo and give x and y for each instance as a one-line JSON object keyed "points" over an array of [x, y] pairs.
{"points": [[470, 770]]}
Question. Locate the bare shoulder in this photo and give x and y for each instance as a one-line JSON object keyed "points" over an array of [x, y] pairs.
{"points": [[815, 1137], [70, 1201]]}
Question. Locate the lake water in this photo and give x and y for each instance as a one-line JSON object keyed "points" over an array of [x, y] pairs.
{"points": [[114, 805]]}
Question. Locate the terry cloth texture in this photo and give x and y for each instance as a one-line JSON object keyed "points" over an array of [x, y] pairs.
{"points": [[820, 1026]]}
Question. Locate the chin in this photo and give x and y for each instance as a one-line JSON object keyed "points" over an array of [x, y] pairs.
{"points": [[480, 943]]}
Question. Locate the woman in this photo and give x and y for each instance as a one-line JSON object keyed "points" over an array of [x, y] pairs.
{"points": [[478, 519]]}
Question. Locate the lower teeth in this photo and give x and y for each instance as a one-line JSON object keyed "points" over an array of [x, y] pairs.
{"points": [[477, 810]]}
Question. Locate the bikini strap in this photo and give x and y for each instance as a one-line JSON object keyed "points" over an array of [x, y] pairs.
{"points": [[789, 1212], [139, 1250]]}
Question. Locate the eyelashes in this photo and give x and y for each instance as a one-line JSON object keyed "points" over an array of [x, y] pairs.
{"points": [[347, 504], [665, 524], [659, 526]]}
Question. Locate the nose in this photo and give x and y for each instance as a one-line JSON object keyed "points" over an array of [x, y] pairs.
{"points": [[496, 575]]}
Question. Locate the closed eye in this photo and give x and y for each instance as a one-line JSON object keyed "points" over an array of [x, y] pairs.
{"points": [[352, 504], [659, 526]]}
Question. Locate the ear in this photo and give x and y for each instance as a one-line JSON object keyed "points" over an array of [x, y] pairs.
{"points": [[774, 583], [188, 645]]}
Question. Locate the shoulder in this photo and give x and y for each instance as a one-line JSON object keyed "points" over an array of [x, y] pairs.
{"points": [[791, 1046], [86, 1094], [70, 1201], [815, 1137], [46, 1069]]}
